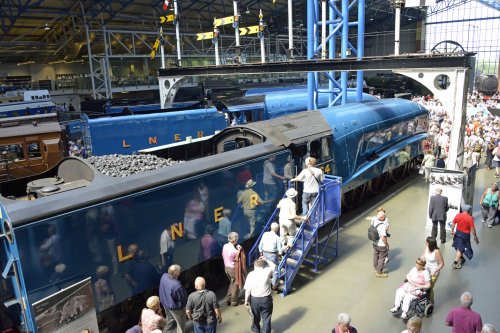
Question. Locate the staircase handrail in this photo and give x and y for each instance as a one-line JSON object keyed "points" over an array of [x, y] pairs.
{"points": [[329, 181], [255, 248]]}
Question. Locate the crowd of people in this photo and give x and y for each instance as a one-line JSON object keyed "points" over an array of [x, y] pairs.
{"points": [[202, 308]]}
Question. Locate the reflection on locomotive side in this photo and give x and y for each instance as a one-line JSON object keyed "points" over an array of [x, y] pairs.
{"points": [[121, 234], [137, 225]]}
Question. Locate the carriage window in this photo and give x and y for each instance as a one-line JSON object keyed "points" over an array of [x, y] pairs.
{"points": [[325, 148], [34, 150], [11, 153]]}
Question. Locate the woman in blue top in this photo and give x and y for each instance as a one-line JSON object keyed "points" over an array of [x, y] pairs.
{"points": [[489, 204]]}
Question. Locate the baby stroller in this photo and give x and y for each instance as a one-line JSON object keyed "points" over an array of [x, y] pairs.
{"points": [[420, 306]]}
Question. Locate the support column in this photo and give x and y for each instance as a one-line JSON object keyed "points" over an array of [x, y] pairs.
{"points": [[177, 33], [454, 99], [397, 4]]}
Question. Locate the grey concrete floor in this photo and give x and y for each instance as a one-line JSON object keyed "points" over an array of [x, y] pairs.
{"points": [[348, 284]]}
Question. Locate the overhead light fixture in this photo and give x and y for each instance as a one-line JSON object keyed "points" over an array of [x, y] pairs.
{"points": [[247, 11], [46, 27], [371, 18]]}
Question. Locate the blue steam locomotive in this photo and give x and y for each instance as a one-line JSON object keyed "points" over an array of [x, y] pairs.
{"points": [[129, 134], [88, 220]]}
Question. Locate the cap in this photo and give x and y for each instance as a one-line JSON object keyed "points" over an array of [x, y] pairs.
{"points": [[250, 183]]}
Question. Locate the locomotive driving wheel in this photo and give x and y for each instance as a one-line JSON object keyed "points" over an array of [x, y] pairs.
{"points": [[377, 184], [351, 198], [398, 173]]}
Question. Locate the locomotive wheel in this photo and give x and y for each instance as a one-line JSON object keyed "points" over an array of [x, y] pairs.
{"points": [[351, 198], [377, 184], [411, 166], [398, 173]]}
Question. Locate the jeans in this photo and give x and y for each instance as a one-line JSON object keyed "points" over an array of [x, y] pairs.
{"points": [[207, 328], [307, 199], [262, 308], [274, 258]]}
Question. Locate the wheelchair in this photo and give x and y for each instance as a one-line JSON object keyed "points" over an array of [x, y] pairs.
{"points": [[421, 306]]}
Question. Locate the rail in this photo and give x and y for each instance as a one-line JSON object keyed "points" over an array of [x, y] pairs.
{"points": [[324, 210]]}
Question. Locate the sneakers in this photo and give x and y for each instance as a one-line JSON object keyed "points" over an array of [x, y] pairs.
{"points": [[490, 226], [394, 309], [381, 275], [386, 260], [456, 265], [484, 221], [462, 261], [404, 315]]}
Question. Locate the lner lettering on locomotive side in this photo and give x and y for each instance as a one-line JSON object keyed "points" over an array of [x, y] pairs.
{"points": [[177, 230], [177, 137], [125, 144], [121, 256], [200, 134], [153, 140], [218, 214]]}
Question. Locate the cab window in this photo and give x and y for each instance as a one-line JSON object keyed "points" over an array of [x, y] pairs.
{"points": [[34, 150]]}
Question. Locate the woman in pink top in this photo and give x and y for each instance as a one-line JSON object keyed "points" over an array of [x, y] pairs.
{"points": [[151, 318]]}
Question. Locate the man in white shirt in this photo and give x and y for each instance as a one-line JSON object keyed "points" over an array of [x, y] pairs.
{"points": [[258, 294], [288, 213], [270, 247], [312, 178]]}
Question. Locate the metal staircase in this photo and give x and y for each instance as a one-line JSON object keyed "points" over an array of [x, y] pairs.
{"points": [[12, 273], [308, 247]]}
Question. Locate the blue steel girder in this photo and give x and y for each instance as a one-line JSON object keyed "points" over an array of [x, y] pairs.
{"points": [[11, 10], [338, 21], [106, 6]]}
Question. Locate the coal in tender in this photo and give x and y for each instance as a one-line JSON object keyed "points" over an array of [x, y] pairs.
{"points": [[116, 165]]}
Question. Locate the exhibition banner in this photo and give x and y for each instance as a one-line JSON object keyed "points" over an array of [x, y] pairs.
{"points": [[67, 311], [452, 183]]}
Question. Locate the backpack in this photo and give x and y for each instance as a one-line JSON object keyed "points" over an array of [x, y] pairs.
{"points": [[373, 232], [497, 153], [477, 147]]}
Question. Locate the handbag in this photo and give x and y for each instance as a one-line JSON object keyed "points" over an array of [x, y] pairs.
{"points": [[485, 205]]}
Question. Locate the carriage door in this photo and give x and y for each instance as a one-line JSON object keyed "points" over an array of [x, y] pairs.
{"points": [[34, 152]]}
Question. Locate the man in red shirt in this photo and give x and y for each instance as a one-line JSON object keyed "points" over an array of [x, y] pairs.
{"points": [[461, 237]]}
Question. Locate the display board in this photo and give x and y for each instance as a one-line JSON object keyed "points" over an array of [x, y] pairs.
{"points": [[67, 311], [452, 184]]}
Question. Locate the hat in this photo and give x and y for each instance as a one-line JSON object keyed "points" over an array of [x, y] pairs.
{"points": [[250, 183], [291, 193]]}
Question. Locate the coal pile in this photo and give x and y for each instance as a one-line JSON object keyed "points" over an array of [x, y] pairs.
{"points": [[125, 165]]}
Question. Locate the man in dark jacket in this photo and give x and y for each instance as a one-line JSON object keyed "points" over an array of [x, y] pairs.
{"points": [[438, 206], [173, 297]]}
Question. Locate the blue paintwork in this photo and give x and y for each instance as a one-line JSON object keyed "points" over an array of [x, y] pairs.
{"points": [[140, 215], [392, 122], [107, 134], [283, 103]]}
